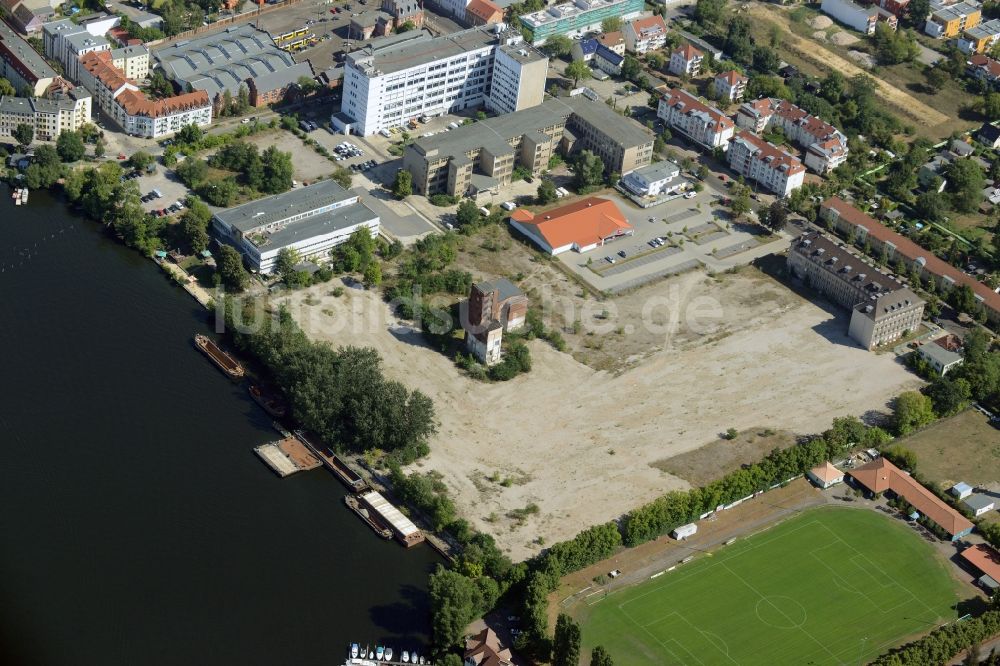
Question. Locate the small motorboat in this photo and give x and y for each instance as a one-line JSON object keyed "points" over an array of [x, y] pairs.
{"points": [[405, 657], [364, 652], [355, 650], [379, 652], [388, 654]]}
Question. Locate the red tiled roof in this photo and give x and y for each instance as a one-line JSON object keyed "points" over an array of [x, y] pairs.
{"points": [[583, 223], [732, 77], [98, 63], [485, 10], [134, 101], [913, 252], [611, 39], [688, 52], [689, 103], [651, 25], [989, 65], [778, 157], [826, 472], [880, 475], [985, 559]]}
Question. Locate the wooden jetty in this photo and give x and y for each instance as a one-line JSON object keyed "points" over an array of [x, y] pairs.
{"points": [[287, 456]]}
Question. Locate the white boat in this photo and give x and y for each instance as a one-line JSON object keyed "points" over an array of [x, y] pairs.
{"points": [[388, 654], [379, 652], [364, 652], [355, 650], [406, 657], [24, 195]]}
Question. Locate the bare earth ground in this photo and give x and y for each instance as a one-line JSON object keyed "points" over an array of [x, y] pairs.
{"points": [[578, 442], [706, 464], [825, 59], [964, 447]]}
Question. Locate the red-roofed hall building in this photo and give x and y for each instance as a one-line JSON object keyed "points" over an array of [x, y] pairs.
{"points": [[847, 218], [581, 226], [880, 476], [987, 561], [698, 121]]}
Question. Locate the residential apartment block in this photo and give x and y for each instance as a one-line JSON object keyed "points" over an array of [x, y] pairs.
{"points": [[950, 20], [645, 34], [311, 220], [701, 123], [22, 65], [846, 218], [882, 309], [133, 61], [387, 86], [482, 156], [49, 116], [65, 41], [122, 99], [228, 60], [853, 15], [493, 308], [685, 61], [980, 38], [763, 162], [730, 86], [577, 17], [825, 146]]}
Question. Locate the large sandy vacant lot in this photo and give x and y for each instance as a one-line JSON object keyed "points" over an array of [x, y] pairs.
{"points": [[578, 442]]}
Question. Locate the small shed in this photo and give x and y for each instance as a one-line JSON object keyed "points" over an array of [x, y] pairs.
{"points": [[988, 584], [825, 475], [979, 504], [684, 531], [961, 490]]}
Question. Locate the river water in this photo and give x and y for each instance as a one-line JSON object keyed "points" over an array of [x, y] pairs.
{"points": [[136, 524]]}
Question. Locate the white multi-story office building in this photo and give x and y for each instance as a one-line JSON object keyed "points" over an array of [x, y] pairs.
{"points": [[387, 86]]}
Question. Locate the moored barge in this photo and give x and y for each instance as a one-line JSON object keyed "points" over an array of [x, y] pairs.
{"points": [[229, 365]]}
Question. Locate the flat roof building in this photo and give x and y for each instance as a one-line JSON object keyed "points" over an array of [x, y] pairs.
{"points": [[939, 358], [237, 56], [582, 225], [576, 18], [448, 162], [311, 220], [979, 504], [390, 82], [653, 180], [881, 475]]}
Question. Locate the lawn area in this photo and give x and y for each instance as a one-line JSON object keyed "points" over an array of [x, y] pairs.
{"points": [[964, 447], [832, 586]]}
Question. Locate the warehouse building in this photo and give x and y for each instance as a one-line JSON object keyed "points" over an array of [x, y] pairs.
{"points": [[482, 156], [581, 226], [311, 220], [389, 83], [225, 61]]}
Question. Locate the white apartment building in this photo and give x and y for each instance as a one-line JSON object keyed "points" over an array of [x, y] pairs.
{"points": [[133, 61], [138, 115], [386, 87], [763, 162], [685, 61], [49, 116], [825, 145], [653, 180], [66, 41], [730, 86], [645, 34], [704, 124]]}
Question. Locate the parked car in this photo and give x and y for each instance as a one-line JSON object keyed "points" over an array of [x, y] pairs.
{"points": [[690, 195], [621, 253], [609, 259]]}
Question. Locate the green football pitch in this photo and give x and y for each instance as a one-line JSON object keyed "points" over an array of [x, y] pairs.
{"points": [[830, 586]]}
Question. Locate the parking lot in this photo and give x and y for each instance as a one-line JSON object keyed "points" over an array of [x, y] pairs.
{"points": [[670, 238]]}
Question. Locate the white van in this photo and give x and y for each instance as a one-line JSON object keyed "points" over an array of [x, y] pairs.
{"points": [[508, 205]]}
